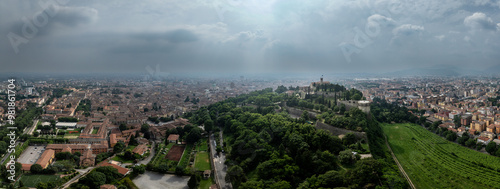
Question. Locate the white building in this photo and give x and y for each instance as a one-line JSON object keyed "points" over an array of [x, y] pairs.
{"points": [[69, 125]]}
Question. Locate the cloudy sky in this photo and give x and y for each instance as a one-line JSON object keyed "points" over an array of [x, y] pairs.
{"points": [[248, 36]]}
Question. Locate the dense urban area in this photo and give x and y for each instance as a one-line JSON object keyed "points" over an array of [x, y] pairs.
{"points": [[250, 132]]}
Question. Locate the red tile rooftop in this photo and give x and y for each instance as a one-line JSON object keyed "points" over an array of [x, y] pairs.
{"points": [[173, 137]]}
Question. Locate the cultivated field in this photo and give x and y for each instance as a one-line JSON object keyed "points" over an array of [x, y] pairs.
{"points": [[433, 162], [175, 153]]}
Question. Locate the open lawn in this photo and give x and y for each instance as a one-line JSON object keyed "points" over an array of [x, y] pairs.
{"points": [[202, 145], [202, 161], [433, 162], [205, 183], [130, 147], [70, 136], [32, 180]]}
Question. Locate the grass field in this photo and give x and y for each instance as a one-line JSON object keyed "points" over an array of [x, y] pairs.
{"points": [[433, 162], [202, 145], [33, 180], [202, 161], [205, 184]]}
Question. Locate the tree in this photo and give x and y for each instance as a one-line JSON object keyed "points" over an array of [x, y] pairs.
{"points": [[194, 135], [94, 179], [349, 139], [123, 127], [132, 141], [128, 155], [491, 148], [144, 128], [36, 134], [179, 170], [470, 143], [193, 182], [111, 173], [118, 147], [218, 149], [3, 147], [36, 168], [342, 109], [451, 136], [497, 153], [280, 89], [305, 115], [163, 168], [139, 169], [209, 124], [63, 155], [479, 146], [236, 175], [187, 99], [456, 120], [356, 97], [347, 157]]}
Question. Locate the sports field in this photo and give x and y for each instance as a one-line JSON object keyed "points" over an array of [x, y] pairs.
{"points": [[433, 162], [32, 180]]}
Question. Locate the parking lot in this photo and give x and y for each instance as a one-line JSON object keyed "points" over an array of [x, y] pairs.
{"points": [[30, 155]]}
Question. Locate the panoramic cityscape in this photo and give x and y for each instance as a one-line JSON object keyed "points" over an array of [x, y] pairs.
{"points": [[224, 94]]}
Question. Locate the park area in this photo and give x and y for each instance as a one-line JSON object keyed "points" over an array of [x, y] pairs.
{"points": [[175, 153], [433, 162], [30, 180]]}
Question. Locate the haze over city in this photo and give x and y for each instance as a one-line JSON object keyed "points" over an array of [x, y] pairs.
{"points": [[274, 94]]}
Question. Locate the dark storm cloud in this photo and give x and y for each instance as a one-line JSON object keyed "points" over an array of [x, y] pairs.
{"points": [[174, 36], [253, 36]]}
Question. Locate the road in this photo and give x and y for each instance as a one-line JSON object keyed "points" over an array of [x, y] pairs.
{"points": [[31, 129], [220, 169], [151, 155], [82, 172]]}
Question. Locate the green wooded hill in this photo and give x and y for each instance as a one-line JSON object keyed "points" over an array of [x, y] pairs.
{"points": [[266, 149]]}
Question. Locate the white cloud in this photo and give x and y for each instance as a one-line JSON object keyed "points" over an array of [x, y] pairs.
{"points": [[440, 37], [467, 39], [479, 21], [381, 20], [407, 29]]}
